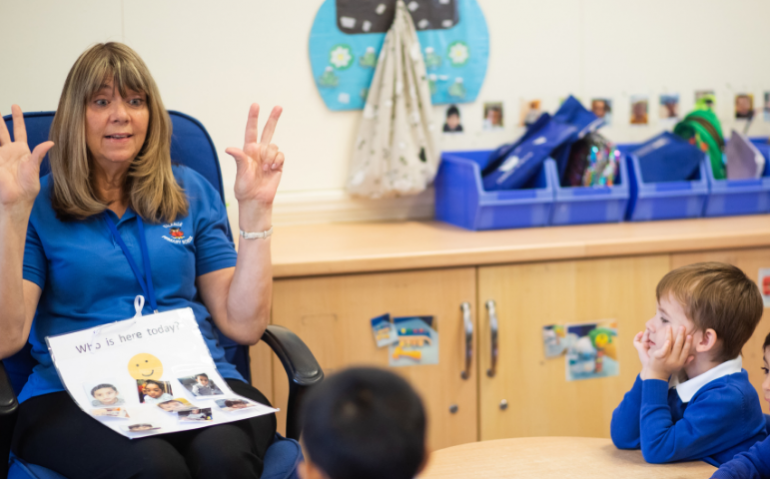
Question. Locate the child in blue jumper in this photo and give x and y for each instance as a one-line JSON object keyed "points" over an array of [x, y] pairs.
{"points": [[755, 463], [692, 400]]}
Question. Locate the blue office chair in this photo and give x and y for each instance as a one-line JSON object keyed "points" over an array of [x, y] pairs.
{"points": [[191, 146]]}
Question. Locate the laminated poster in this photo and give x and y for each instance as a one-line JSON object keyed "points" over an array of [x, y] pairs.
{"points": [[347, 36], [148, 375], [417, 342], [554, 340], [592, 350]]}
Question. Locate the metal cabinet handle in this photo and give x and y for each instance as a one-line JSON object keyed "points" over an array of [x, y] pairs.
{"points": [[468, 326], [493, 332]]}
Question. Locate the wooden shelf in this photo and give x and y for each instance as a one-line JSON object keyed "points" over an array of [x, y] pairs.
{"points": [[323, 249]]}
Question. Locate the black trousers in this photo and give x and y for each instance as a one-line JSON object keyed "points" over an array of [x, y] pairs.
{"points": [[53, 432]]}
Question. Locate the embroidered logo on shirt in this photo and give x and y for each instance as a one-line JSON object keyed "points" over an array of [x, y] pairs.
{"points": [[176, 235]]}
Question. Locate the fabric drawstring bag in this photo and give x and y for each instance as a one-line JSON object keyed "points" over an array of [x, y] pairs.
{"points": [[396, 150]]}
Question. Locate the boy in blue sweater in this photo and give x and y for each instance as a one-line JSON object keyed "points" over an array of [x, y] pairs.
{"points": [[692, 400], [755, 463]]}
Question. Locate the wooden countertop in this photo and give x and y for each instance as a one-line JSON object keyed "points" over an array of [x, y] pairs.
{"points": [[322, 249], [553, 457]]}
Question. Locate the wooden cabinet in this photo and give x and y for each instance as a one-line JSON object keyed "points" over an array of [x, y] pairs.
{"points": [[354, 272], [331, 314], [540, 401]]}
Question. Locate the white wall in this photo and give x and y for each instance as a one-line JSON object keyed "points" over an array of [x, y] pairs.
{"points": [[212, 59]]}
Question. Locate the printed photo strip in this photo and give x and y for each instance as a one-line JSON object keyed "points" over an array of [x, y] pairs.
{"points": [[154, 392], [200, 385], [141, 427], [234, 404], [176, 404], [104, 393], [196, 415]]}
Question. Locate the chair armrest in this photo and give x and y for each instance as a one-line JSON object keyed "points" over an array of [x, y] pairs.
{"points": [[301, 368], [8, 409], [8, 402]]}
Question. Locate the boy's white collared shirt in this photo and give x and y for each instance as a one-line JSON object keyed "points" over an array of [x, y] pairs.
{"points": [[687, 389]]}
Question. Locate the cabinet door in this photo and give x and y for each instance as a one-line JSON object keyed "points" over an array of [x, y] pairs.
{"points": [[540, 401], [331, 314], [750, 261]]}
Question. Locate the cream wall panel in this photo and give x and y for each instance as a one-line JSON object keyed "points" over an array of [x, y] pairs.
{"points": [[212, 59]]}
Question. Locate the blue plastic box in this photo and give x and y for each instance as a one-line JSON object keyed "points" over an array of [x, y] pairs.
{"points": [[461, 200], [740, 197], [580, 205], [668, 200]]}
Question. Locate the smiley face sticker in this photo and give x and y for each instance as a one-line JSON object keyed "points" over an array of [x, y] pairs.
{"points": [[145, 366]]}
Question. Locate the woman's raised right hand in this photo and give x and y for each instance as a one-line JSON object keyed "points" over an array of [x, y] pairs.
{"points": [[19, 168]]}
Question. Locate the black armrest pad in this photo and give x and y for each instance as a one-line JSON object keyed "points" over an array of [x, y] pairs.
{"points": [[8, 403], [299, 363]]}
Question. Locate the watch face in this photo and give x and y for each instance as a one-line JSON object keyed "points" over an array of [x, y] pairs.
{"points": [[376, 16]]}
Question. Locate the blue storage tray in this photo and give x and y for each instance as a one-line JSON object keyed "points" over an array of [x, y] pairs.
{"points": [[580, 205], [663, 201], [461, 200], [740, 197]]}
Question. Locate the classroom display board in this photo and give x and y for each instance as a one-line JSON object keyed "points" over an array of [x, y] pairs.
{"points": [[347, 36], [148, 375]]}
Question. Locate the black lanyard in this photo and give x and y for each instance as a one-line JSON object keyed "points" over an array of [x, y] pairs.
{"points": [[147, 288]]}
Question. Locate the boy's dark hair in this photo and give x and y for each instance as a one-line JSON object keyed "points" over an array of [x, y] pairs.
{"points": [[718, 296], [201, 375], [103, 386], [364, 422], [233, 402], [157, 383], [452, 110]]}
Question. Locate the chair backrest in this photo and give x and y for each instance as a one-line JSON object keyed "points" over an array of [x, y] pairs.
{"points": [[191, 146]]}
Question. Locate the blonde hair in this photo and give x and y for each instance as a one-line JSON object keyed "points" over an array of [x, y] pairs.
{"points": [[151, 189], [717, 296]]}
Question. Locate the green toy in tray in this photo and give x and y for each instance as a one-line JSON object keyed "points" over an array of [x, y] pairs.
{"points": [[702, 129]]}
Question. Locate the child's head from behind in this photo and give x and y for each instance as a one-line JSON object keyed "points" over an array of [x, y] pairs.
{"points": [[715, 302], [154, 389], [363, 422], [105, 393]]}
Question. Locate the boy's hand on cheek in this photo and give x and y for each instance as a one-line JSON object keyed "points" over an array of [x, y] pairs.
{"points": [[671, 358], [642, 345]]}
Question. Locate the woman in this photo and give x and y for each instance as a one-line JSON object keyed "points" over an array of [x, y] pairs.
{"points": [[112, 179]]}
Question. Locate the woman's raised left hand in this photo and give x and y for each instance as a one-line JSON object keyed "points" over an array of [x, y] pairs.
{"points": [[259, 164]]}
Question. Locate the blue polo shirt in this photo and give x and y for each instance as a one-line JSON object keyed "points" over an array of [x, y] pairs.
{"points": [[86, 279]]}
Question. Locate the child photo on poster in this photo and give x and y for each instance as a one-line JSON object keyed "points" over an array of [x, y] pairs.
{"points": [[530, 111], [602, 107], [453, 124], [592, 351], [104, 393], [705, 99], [669, 107], [493, 116], [154, 392], [766, 109], [639, 110], [744, 106]]}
